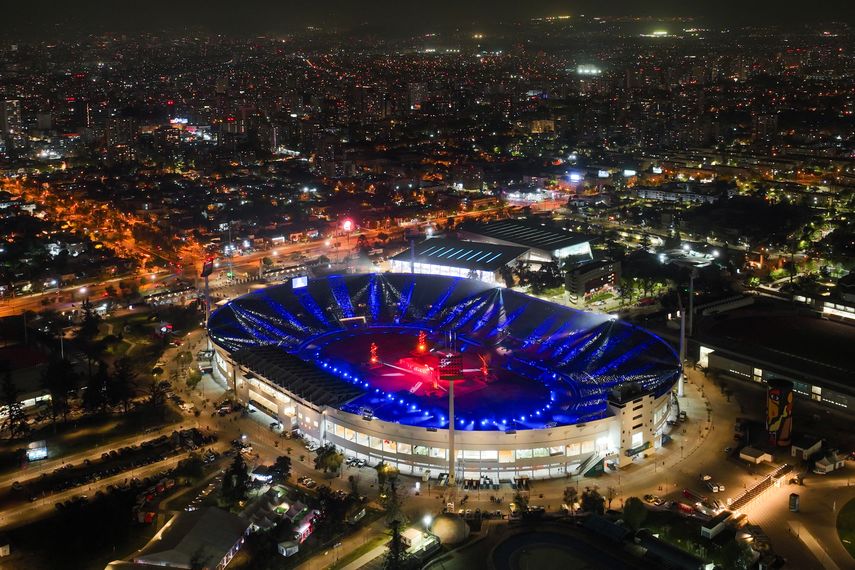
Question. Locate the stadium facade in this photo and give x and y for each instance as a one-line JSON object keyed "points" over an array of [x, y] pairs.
{"points": [[355, 360]]}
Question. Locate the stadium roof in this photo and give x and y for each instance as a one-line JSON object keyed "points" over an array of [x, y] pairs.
{"points": [[297, 376], [466, 254], [526, 233], [562, 364]]}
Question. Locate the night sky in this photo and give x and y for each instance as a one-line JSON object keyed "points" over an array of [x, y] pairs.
{"points": [[246, 16]]}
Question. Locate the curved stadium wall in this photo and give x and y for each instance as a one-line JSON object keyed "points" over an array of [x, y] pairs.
{"points": [[547, 389]]}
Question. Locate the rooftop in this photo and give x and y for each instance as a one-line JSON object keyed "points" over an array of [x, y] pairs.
{"points": [[209, 534], [465, 254], [526, 233], [812, 347]]}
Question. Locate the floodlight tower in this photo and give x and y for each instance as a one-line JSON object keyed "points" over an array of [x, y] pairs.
{"points": [[451, 370], [207, 269]]}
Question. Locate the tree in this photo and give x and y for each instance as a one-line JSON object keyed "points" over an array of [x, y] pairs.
{"points": [[121, 387], [90, 322], [507, 276], [395, 555], [16, 420], [95, 395], [59, 379], [328, 459], [236, 481], [634, 513], [592, 501], [156, 397], [193, 379], [736, 554], [611, 493], [362, 243], [282, 467], [571, 495]]}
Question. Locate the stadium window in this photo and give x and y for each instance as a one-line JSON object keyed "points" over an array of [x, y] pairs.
{"points": [[375, 442], [349, 434], [523, 454], [405, 448], [490, 455], [506, 456], [472, 454], [587, 446], [421, 450], [338, 430], [540, 452], [553, 451], [390, 446], [362, 438], [573, 450], [439, 452]]}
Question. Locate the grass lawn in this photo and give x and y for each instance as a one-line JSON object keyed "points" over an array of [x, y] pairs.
{"points": [[364, 549], [602, 296], [846, 527]]}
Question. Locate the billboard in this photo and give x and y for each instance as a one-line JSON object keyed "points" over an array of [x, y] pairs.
{"points": [[779, 412], [299, 282], [208, 267], [450, 366]]}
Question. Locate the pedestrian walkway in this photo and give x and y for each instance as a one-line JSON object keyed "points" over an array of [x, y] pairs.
{"points": [[803, 534]]}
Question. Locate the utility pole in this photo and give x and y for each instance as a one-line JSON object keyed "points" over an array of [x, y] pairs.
{"points": [[207, 269], [680, 387], [692, 276]]}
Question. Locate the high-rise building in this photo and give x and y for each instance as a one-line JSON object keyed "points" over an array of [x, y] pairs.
{"points": [[11, 126]]}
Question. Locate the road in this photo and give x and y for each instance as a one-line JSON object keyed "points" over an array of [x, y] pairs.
{"points": [[28, 512], [33, 470]]}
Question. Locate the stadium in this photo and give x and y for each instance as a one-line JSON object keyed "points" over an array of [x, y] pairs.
{"points": [[363, 362]]}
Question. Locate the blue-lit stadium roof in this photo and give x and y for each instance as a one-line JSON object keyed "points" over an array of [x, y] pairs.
{"points": [[555, 365]]}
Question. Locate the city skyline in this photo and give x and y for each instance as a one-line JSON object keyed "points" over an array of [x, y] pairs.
{"points": [[49, 18]]}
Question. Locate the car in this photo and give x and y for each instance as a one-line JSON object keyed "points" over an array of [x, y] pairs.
{"points": [[728, 449], [648, 498], [713, 487], [16, 486]]}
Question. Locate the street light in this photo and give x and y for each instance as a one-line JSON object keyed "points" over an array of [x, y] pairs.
{"points": [[427, 520]]}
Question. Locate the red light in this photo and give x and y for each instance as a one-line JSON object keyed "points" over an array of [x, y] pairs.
{"points": [[170, 102]]}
